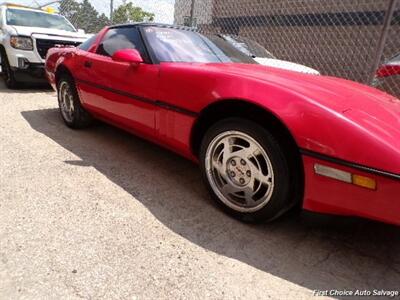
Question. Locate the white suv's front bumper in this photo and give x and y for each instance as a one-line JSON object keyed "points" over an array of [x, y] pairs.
{"points": [[29, 65], [16, 56]]}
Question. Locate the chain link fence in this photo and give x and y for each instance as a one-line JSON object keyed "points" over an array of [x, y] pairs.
{"points": [[343, 38], [340, 38]]}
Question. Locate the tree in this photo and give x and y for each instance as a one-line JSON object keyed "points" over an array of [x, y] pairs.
{"points": [[87, 17], [102, 21], [83, 15], [69, 9], [127, 13]]}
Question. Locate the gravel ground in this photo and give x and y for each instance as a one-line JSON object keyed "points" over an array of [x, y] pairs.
{"points": [[100, 214]]}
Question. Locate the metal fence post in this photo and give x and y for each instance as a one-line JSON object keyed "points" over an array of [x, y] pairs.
{"points": [[192, 13], [382, 41]]}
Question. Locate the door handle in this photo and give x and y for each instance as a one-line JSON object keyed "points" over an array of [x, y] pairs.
{"points": [[87, 64]]}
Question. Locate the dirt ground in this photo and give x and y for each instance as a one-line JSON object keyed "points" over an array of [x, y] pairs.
{"points": [[101, 214]]}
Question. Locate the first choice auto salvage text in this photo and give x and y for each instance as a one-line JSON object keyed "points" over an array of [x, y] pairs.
{"points": [[350, 293]]}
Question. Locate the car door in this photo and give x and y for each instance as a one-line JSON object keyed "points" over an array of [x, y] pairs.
{"points": [[121, 93], [182, 85]]}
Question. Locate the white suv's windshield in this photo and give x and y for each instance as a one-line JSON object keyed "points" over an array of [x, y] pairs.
{"points": [[29, 18]]}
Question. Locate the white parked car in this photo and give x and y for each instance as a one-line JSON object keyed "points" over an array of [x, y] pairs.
{"points": [[263, 56], [26, 34]]}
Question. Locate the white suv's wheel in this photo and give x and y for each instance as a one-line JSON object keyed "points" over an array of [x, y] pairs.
{"points": [[8, 73]]}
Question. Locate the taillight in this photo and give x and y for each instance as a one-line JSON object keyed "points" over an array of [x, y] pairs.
{"points": [[388, 70]]}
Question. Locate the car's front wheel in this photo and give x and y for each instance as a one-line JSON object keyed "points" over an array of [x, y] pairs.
{"points": [[72, 112], [246, 170]]}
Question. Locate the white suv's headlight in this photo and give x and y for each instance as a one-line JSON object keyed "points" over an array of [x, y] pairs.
{"points": [[21, 42]]}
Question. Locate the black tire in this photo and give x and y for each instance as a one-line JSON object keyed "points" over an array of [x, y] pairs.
{"points": [[80, 118], [8, 73], [285, 184]]}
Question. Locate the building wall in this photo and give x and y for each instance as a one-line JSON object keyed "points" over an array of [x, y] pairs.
{"points": [[202, 11], [236, 8]]}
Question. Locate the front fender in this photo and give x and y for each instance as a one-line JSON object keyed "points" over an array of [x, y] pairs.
{"points": [[360, 125]]}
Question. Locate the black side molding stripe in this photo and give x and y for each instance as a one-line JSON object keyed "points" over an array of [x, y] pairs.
{"points": [[176, 108], [141, 99], [349, 164]]}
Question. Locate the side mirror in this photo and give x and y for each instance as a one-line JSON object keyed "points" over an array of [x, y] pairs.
{"points": [[81, 31], [131, 56]]}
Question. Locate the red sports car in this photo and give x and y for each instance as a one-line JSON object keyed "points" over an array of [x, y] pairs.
{"points": [[266, 139]]}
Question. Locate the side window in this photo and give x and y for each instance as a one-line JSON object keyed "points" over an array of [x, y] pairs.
{"points": [[121, 38], [85, 46]]}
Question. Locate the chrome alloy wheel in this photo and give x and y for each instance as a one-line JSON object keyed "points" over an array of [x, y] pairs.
{"points": [[239, 171], [66, 99]]}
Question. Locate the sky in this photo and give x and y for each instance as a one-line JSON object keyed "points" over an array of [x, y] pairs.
{"points": [[163, 9]]}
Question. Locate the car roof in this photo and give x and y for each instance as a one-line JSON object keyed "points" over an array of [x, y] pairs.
{"points": [[395, 57], [145, 24]]}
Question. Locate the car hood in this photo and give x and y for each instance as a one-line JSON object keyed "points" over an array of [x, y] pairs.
{"points": [[51, 33], [335, 93], [286, 65], [359, 114]]}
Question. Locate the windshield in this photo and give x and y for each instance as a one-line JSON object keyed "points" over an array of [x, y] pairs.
{"points": [[175, 45], [29, 18], [247, 46]]}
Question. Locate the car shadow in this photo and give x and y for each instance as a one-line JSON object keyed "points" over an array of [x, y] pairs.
{"points": [[26, 88], [316, 252]]}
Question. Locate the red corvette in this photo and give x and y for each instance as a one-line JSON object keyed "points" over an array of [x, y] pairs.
{"points": [[266, 139]]}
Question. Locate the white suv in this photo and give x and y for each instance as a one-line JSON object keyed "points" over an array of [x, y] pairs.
{"points": [[26, 34]]}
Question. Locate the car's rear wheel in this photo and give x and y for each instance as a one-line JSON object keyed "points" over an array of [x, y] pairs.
{"points": [[246, 170], [8, 74], [72, 112]]}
